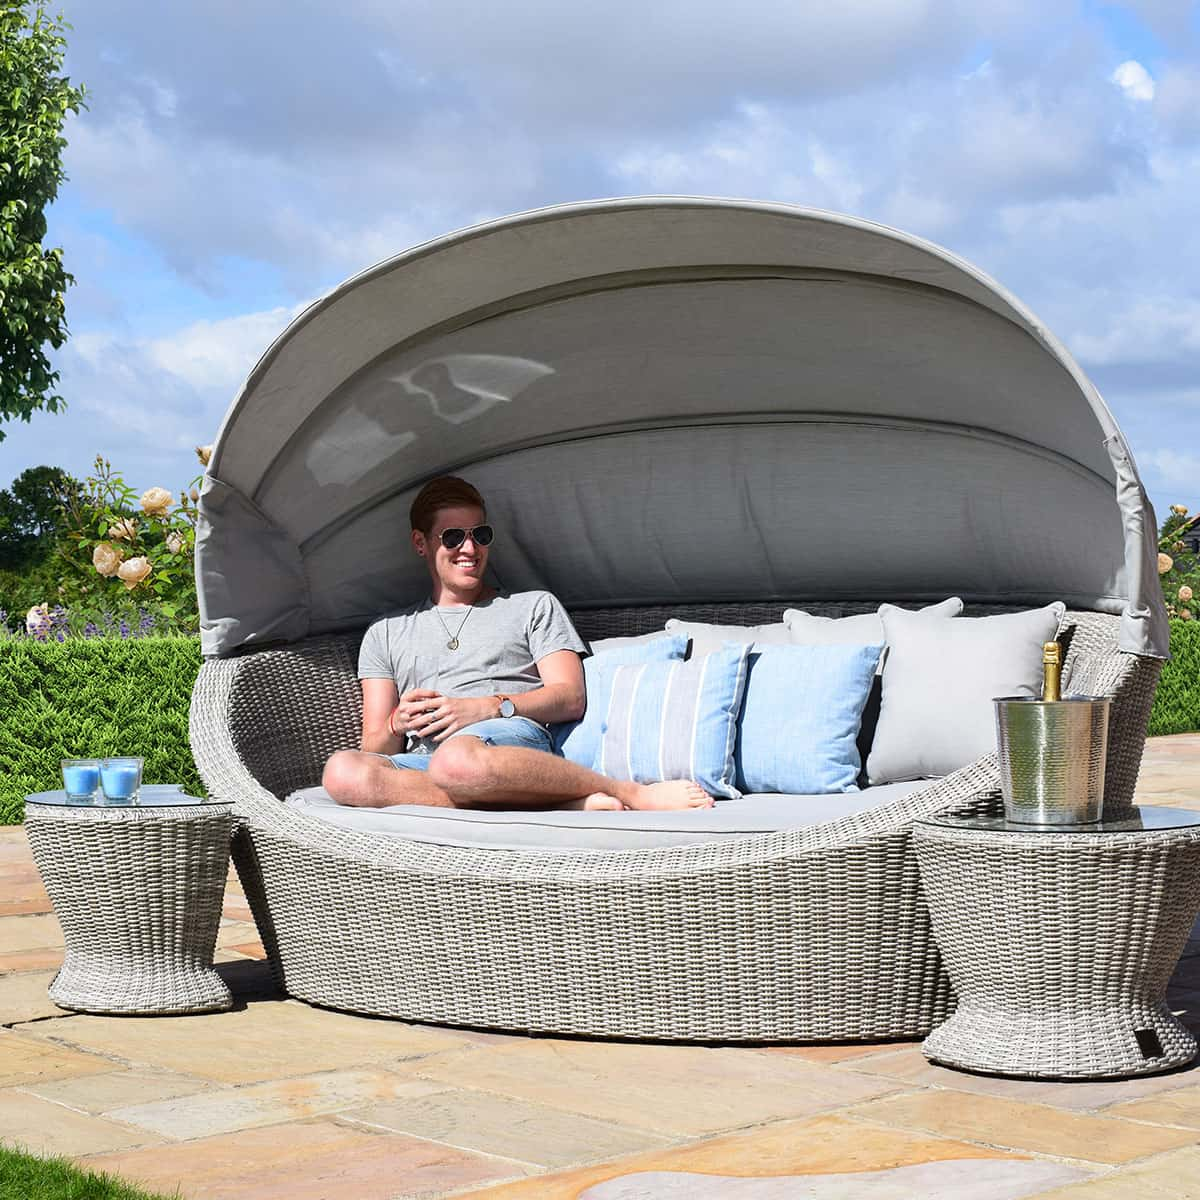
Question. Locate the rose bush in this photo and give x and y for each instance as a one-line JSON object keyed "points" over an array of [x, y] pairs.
{"points": [[143, 543], [1178, 566]]}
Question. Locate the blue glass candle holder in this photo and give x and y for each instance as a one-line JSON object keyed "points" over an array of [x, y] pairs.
{"points": [[81, 779], [121, 780]]}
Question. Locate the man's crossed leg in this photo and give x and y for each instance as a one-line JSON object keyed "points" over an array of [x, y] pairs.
{"points": [[501, 763]]}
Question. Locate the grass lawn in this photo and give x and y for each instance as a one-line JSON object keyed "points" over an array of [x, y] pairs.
{"points": [[27, 1177]]}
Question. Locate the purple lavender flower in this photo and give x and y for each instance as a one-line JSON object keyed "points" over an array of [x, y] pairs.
{"points": [[124, 628], [91, 631], [145, 623]]}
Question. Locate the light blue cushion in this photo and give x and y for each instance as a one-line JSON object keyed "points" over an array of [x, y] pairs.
{"points": [[799, 724], [676, 720], [580, 740]]}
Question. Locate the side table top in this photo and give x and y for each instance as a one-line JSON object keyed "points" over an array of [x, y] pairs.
{"points": [[151, 795], [1146, 818]]}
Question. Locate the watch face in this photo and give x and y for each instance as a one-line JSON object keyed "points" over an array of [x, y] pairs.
{"points": [[507, 708]]}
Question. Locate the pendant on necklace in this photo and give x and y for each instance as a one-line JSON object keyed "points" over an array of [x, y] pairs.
{"points": [[452, 644]]}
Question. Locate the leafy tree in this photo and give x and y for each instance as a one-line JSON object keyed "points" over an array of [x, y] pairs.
{"points": [[34, 101], [31, 515]]}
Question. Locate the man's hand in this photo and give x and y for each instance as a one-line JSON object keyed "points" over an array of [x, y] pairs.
{"points": [[431, 715]]}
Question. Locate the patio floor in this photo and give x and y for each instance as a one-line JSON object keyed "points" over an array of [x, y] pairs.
{"points": [[277, 1099]]}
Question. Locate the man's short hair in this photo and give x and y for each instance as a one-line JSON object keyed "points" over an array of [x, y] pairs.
{"points": [[447, 491]]}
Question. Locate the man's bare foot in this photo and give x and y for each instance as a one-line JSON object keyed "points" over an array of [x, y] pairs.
{"points": [[678, 793], [597, 802]]}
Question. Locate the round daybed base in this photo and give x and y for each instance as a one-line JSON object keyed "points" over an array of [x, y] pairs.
{"points": [[813, 934]]}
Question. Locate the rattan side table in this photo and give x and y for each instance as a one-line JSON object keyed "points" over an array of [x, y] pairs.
{"points": [[1060, 941], [138, 891]]}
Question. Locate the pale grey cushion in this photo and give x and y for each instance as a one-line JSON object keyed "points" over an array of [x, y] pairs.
{"points": [[707, 638], [558, 830], [939, 682], [603, 645], [864, 629]]}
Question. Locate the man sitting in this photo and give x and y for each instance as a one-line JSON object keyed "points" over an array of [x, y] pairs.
{"points": [[458, 690]]}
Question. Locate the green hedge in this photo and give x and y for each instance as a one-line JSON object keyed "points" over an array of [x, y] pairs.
{"points": [[91, 698], [113, 696], [1177, 702]]}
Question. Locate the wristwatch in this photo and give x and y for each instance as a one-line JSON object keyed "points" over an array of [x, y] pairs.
{"points": [[507, 707]]}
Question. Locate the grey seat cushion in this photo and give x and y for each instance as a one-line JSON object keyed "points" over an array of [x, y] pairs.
{"points": [[560, 831]]}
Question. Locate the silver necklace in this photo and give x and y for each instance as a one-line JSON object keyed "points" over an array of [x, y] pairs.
{"points": [[452, 644]]}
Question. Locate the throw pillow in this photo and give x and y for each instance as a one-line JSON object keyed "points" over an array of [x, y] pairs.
{"points": [[580, 740], [676, 720], [707, 638], [800, 718], [939, 682], [861, 630], [606, 645]]}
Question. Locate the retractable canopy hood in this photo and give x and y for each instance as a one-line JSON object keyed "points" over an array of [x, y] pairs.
{"points": [[674, 399]]}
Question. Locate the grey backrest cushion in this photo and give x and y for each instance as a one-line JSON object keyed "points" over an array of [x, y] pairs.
{"points": [[865, 629], [939, 681], [707, 638]]}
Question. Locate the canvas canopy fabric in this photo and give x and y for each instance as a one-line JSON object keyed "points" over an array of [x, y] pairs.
{"points": [[674, 400]]}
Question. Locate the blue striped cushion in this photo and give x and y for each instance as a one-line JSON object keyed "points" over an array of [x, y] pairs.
{"points": [[580, 740], [676, 720]]}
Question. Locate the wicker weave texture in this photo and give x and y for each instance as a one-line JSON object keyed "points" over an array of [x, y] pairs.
{"points": [[1060, 946], [138, 894], [807, 934]]}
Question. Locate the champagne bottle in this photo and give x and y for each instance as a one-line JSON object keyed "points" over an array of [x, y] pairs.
{"points": [[1051, 671]]}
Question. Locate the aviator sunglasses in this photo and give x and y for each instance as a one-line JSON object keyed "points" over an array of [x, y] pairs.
{"points": [[481, 535]]}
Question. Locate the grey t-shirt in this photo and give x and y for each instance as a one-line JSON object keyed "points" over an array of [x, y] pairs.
{"points": [[499, 644]]}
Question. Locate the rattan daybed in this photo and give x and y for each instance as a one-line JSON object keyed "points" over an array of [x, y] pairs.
{"points": [[823, 409]]}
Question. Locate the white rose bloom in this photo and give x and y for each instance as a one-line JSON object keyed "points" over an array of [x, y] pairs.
{"points": [[106, 558], [156, 501], [133, 571], [175, 541]]}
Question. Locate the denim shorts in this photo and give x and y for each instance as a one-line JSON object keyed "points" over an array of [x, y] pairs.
{"points": [[495, 731]]}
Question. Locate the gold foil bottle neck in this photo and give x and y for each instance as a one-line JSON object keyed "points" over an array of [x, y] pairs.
{"points": [[1051, 671]]}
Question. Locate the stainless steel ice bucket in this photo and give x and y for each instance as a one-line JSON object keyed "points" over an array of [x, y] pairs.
{"points": [[1052, 758]]}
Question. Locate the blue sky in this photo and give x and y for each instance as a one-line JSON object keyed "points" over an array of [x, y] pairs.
{"points": [[237, 160]]}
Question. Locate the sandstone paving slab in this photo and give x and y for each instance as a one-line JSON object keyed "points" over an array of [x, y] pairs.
{"points": [[229, 933], [505, 1126], [99, 1094], [1179, 1107], [281, 1100], [929, 1181], [47, 1128], [31, 960], [311, 1160], [1022, 1126], [1171, 1176], [30, 933], [250, 949], [30, 1060], [834, 1052], [792, 1153], [23, 997], [236, 908], [266, 1040], [682, 1090], [911, 1066], [26, 907]]}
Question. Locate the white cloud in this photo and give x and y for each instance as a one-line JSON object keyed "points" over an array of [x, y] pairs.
{"points": [[1172, 469], [1145, 329], [1134, 80]]}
